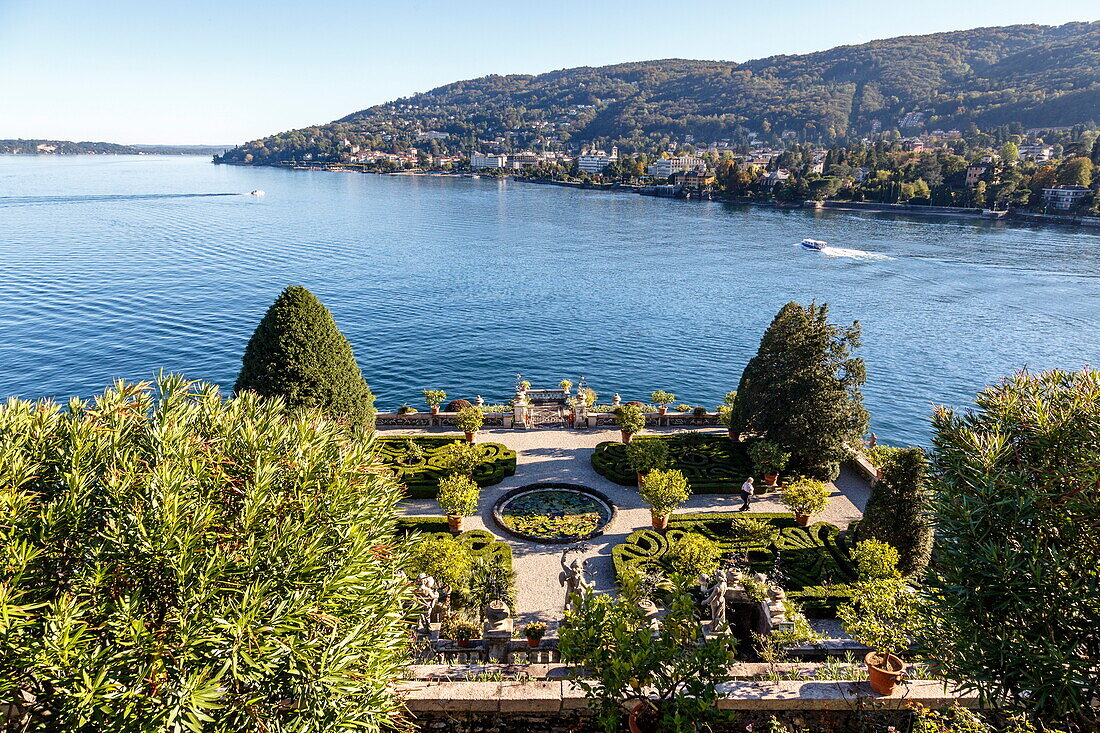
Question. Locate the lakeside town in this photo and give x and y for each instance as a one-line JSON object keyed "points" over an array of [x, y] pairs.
{"points": [[1040, 174]]}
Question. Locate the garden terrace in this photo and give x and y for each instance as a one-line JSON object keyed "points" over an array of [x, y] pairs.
{"points": [[812, 564], [713, 464], [422, 476]]}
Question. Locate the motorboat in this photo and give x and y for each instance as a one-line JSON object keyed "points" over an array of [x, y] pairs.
{"points": [[257, 192], [815, 244]]}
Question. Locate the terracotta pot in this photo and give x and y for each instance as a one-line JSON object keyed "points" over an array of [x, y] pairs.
{"points": [[802, 520], [884, 673], [662, 409], [469, 437], [641, 723], [454, 521], [641, 477], [533, 642], [771, 479], [626, 436], [435, 409], [464, 643], [660, 521]]}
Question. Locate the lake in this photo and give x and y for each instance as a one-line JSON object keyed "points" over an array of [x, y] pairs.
{"points": [[120, 266]]}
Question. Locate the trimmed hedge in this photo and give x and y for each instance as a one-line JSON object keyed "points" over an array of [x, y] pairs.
{"points": [[713, 464], [814, 562], [422, 479], [480, 542]]}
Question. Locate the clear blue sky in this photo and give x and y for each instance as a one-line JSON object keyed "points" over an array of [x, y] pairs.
{"points": [[226, 71]]}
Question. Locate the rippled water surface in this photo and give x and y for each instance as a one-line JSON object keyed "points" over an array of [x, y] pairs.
{"points": [[118, 266]]}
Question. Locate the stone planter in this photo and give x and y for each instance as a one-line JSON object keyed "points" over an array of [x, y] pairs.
{"points": [[884, 672]]}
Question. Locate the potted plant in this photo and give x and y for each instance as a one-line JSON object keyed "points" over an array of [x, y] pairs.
{"points": [[534, 632], [469, 420], [433, 397], [665, 677], [663, 491], [524, 386], [883, 615], [631, 421], [457, 497], [406, 409], [646, 455], [463, 632], [805, 496], [768, 459], [565, 385], [662, 399]]}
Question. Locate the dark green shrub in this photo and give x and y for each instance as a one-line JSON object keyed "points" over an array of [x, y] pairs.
{"points": [[693, 555], [647, 455], [456, 405], [298, 354], [630, 419], [897, 510]]}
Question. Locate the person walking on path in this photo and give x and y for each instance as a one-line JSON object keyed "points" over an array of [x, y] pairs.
{"points": [[747, 492]]}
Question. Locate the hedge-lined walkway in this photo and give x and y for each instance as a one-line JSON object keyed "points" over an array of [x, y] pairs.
{"points": [[564, 455]]}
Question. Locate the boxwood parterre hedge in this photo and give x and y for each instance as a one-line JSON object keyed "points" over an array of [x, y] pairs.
{"points": [[422, 478], [814, 564], [713, 464], [479, 542]]}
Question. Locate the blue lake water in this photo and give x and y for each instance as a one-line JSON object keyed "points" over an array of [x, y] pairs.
{"points": [[118, 266]]}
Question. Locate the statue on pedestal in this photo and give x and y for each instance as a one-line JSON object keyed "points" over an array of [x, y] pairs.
{"points": [[572, 577], [716, 601]]}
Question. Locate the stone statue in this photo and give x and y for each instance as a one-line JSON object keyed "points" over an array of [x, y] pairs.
{"points": [[572, 577], [428, 595], [716, 600], [649, 612]]}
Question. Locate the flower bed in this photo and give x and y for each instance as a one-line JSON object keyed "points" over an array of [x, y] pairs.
{"points": [[553, 513], [713, 464], [814, 564], [422, 477]]}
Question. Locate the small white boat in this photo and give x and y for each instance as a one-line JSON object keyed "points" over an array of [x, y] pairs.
{"points": [[257, 192], [815, 244]]}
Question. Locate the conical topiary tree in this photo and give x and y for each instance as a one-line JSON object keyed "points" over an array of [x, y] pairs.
{"points": [[299, 354], [802, 389]]}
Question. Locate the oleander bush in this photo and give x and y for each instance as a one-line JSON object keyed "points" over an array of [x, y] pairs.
{"points": [[712, 464], [813, 564], [176, 560], [422, 479]]}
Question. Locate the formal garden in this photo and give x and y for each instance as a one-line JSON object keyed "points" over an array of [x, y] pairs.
{"points": [[180, 558]]}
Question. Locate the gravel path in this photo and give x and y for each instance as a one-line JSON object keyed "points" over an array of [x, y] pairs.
{"points": [[564, 455]]}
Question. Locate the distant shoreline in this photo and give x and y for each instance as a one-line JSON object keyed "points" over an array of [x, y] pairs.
{"points": [[851, 207]]}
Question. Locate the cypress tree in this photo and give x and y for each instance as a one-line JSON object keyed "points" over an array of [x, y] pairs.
{"points": [[299, 354], [897, 510], [802, 389]]}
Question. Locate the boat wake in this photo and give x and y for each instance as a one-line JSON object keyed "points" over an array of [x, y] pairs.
{"points": [[853, 254]]}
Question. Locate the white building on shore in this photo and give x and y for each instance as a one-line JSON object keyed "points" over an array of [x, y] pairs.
{"points": [[666, 167], [478, 160], [594, 161]]}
